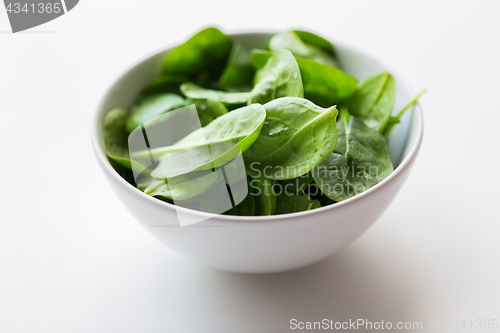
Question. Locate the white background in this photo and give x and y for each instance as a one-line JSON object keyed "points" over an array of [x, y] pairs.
{"points": [[73, 260]]}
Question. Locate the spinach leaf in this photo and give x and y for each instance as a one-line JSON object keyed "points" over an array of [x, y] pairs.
{"points": [[323, 85], [245, 208], [194, 91], [297, 135], [261, 189], [239, 71], [292, 42], [208, 110], [205, 51], [226, 136], [168, 83], [280, 77], [316, 41], [286, 204], [359, 161], [160, 187], [374, 100], [115, 137], [297, 185], [394, 120], [152, 107]]}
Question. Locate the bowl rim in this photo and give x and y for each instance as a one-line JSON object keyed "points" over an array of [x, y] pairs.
{"points": [[102, 158]]}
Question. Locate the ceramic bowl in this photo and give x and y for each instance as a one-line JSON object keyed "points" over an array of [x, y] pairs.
{"points": [[274, 243]]}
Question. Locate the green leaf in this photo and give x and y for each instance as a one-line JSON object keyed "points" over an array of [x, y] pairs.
{"points": [[206, 50], [323, 85], [261, 189], [359, 162], [286, 204], [193, 91], [152, 107], [168, 83], [296, 136], [297, 185], [239, 71], [280, 77], [292, 42], [115, 138], [226, 136], [247, 207], [316, 41], [374, 100], [188, 190], [394, 120], [208, 110]]}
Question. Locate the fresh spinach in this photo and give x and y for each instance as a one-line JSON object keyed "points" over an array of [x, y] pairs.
{"points": [[226, 137], [207, 50], [374, 100], [268, 123], [261, 189], [297, 185], [280, 77], [359, 162], [239, 71], [296, 136], [323, 85], [303, 45], [115, 137], [208, 110], [287, 204], [152, 107]]}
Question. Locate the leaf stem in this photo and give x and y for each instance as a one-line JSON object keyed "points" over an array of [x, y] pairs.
{"points": [[397, 119]]}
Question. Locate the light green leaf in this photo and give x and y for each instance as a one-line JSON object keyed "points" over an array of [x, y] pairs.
{"points": [[374, 100], [292, 42], [152, 107]]}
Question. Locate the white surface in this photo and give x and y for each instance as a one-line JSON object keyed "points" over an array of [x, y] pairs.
{"points": [[73, 260]]}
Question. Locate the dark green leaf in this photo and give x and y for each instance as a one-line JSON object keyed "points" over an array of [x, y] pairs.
{"points": [[323, 85], [297, 185], [261, 189], [115, 137], [286, 204], [239, 71], [359, 162], [207, 50]]}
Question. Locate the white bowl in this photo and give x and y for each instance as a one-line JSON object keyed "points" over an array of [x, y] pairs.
{"points": [[274, 243]]}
